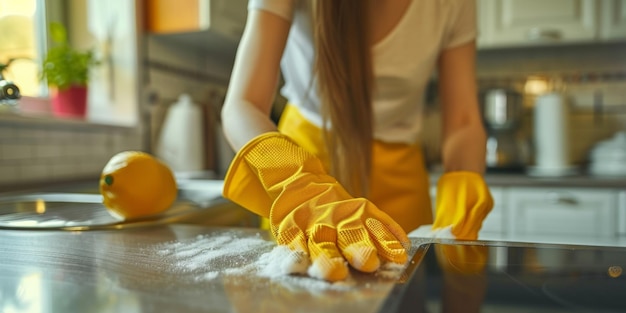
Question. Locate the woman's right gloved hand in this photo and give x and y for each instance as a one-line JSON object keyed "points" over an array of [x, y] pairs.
{"points": [[309, 211]]}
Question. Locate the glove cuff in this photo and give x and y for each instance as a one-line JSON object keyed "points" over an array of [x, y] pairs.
{"points": [[460, 175], [460, 180], [262, 163]]}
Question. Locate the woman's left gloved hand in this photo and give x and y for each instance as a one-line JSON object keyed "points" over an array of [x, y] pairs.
{"points": [[463, 202]]}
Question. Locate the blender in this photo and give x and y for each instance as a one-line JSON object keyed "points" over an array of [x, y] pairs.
{"points": [[506, 149]]}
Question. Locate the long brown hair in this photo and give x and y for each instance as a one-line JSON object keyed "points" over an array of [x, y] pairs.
{"points": [[343, 65]]}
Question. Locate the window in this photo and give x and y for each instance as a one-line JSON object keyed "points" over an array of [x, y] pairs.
{"points": [[109, 25], [22, 38]]}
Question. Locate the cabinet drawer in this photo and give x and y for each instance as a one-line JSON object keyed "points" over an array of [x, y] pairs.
{"points": [[562, 211]]}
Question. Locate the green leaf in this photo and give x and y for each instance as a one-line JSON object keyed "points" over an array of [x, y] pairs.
{"points": [[63, 66], [58, 33]]}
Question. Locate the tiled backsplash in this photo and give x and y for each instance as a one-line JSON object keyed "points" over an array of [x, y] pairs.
{"points": [[36, 153], [593, 78]]}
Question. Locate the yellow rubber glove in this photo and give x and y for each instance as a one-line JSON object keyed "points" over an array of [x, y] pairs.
{"points": [[463, 202], [309, 211]]}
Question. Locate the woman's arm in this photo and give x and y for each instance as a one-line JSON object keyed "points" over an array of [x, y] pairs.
{"points": [[254, 78], [464, 138]]}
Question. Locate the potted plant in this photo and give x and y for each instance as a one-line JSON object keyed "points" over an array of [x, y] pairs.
{"points": [[66, 70]]}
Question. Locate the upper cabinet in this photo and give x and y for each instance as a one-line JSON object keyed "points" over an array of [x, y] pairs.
{"points": [[212, 25], [509, 23], [613, 21]]}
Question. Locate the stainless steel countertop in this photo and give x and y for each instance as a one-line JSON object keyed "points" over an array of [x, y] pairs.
{"points": [[156, 269], [80, 207]]}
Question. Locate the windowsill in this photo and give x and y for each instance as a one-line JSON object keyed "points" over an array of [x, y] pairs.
{"points": [[36, 111]]}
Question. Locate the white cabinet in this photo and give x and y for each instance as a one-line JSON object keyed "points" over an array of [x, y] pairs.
{"points": [[621, 214], [575, 215], [613, 19], [495, 221], [576, 212], [533, 22]]}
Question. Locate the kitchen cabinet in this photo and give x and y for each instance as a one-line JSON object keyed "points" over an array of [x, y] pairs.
{"points": [[613, 19], [534, 22], [496, 220], [621, 214], [209, 25], [224, 17], [581, 212], [573, 210]]}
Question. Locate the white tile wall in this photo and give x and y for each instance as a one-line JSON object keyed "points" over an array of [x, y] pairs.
{"points": [[36, 153]]}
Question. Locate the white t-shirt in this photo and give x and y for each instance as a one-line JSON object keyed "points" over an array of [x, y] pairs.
{"points": [[403, 61]]}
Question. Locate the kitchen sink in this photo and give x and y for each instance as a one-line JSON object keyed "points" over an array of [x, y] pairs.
{"points": [[199, 202]]}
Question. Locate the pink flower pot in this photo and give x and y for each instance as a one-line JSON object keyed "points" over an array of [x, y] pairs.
{"points": [[70, 102]]}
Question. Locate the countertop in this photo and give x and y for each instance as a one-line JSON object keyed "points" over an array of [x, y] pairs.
{"points": [[166, 268], [581, 180], [188, 268]]}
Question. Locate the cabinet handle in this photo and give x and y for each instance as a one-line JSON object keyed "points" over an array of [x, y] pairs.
{"points": [[542, 34], [559, 198]]}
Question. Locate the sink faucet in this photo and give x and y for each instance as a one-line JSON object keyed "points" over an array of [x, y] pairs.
{"points": [[9, 92]]}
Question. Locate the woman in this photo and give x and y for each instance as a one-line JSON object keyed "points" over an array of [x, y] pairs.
{"points": [[342, 177]]}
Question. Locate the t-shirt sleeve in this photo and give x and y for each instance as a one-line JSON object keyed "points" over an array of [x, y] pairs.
{"points": [[462, 23], [282, 8]]}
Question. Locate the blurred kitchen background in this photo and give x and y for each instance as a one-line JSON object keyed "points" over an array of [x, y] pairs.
{"points": [[156, 54]]}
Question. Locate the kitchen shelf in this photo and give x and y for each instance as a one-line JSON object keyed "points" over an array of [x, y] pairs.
{"points": [[522, 180], [209, 42]]}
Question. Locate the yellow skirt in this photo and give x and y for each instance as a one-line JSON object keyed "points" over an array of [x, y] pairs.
{"points": [[399, 181]]}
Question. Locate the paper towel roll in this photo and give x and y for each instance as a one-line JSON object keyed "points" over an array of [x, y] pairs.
{"points": [[550, 132]]}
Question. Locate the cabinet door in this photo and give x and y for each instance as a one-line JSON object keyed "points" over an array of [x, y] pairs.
{"points": [[562, 212], [533, 22], [224, 17], [494, 222], [621, 214], [613, 19]]}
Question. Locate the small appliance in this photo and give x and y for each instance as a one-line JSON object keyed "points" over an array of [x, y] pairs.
{"points": [[507, 147]]}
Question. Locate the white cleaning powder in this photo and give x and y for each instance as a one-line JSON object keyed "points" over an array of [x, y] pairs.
{"points": [[282, 261], [207, 257]]}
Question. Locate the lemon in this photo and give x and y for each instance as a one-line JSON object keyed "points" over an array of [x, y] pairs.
{"points": [[135, 184]]}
